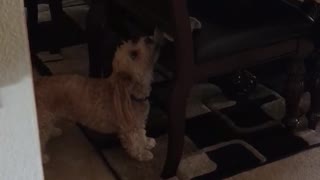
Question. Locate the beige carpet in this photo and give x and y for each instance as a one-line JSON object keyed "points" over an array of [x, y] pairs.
{"points": [[303, 166], [73, 158]]}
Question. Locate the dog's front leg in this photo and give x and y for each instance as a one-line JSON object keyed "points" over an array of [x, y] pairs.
{"points": [[149, 142], [134, 142]]}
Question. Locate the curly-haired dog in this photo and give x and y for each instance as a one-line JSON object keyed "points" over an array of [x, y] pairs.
{"points": [[118, 104]]}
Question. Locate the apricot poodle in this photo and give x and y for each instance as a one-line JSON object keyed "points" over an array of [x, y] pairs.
{"points": [[118, 104]]}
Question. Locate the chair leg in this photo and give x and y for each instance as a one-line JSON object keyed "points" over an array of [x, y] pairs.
{"points": [[94, 25], [177, 109], [294, 94], [56, 11], [39, 66], [101, 43], [32, 20], [315, 94]]}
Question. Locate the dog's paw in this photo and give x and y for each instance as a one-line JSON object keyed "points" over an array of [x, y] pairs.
{"points": [[45, 159], [145, 156], [56, 132], [151, 143]]}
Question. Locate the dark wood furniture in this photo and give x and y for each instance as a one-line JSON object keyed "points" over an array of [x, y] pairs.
{"points": [[228, 41], [314, 82], [59, 32], [97, 18], [102, 39], [56, 11], [314, 74]]}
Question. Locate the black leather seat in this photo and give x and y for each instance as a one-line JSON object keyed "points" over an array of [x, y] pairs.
{"points": [[227, 30], [229, 26]]}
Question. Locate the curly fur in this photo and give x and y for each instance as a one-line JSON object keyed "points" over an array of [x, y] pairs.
{"points": [[104, 105]]}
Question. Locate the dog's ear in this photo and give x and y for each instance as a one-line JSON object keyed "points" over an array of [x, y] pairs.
{"points": [[158, 36], [122, 100]]}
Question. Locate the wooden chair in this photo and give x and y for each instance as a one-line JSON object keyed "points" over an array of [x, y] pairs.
{"points": [[224, 45], [50, 35], [56, 11]]}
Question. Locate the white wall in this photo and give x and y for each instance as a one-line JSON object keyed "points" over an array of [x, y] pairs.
{"points": [[19, 144]]}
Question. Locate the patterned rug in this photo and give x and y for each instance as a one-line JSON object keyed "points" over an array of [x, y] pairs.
{"points": [[223, 137], [228, 137]]}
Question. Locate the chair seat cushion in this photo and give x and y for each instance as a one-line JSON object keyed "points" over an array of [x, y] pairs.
{"points": [[230, 28]]}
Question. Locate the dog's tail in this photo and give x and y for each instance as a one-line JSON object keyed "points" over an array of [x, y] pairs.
{"points": [[122, 101]]}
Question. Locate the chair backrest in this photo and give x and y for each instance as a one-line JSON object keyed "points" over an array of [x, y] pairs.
{"points": [[147, 12], [172, 17], [184, 50]]}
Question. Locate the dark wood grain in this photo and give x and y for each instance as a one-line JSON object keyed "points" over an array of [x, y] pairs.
{"points": [[315, 94], [293, 93], [100, 37]]}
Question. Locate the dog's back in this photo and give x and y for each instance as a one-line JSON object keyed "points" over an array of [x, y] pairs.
{"points": [[75, 98], [57, 90]]}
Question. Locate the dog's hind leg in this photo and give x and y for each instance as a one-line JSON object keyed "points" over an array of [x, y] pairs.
{"points": [[45, 158], [56, 132], [46, 131], [44, 138]]}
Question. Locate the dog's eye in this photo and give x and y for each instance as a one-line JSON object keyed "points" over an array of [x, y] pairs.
{"points": [[133, 55]]}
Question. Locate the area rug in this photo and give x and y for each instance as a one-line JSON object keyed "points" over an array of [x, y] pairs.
{"points": [[223, 137], [230, 138], [303, 165]]}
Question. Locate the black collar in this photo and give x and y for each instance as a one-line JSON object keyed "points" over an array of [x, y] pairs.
{"points": [[136, 99]]}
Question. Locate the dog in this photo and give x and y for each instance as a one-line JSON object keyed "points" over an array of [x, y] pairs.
{"points": [[118, 104]]}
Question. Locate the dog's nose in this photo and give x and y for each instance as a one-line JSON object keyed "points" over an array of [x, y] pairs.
{"points": [[148, 40]]}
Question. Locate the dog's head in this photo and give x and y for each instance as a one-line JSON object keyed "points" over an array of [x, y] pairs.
{"points": [[132, 73], [137, 58]]}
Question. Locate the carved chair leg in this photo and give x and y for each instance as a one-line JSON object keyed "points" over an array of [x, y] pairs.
{"points": [[56, 11], [177, 109], [315, 94], [101, 39], [32, 20], [296, 106]]}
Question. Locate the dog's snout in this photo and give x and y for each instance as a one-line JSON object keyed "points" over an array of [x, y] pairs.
{"points": [[148, 40]]}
